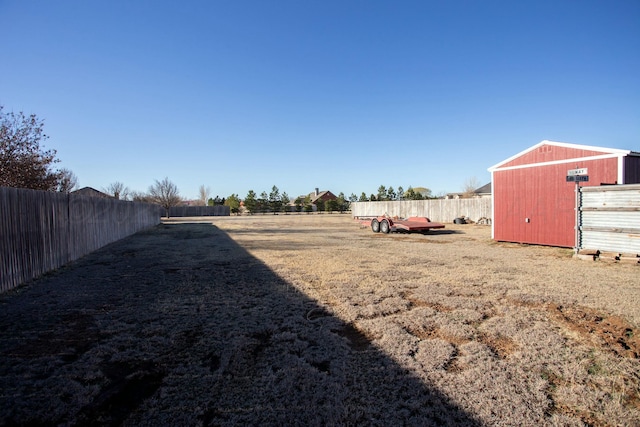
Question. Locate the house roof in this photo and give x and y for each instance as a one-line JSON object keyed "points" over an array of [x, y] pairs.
{"points": [[611, 152], [91, 192], [485, 189], [315, 197]]}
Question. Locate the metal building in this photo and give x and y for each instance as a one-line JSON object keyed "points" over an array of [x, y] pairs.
{"points": [[533, 199]]}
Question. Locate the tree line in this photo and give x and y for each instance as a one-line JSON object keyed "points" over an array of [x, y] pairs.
{"points": [[390, 194]]}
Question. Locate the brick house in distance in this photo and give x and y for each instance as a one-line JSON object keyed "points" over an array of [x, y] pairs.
{"points": [[314, 198]]}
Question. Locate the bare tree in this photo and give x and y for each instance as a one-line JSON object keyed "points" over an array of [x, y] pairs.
{"points": [[204, 193], [140, 197], [165, 193], [67, 181], [117, 190], [470, 186]]}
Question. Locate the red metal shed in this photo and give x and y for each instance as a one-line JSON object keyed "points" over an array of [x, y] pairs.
{"points": [[532, 200]]}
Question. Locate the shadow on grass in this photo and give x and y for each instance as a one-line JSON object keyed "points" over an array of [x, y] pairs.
{"points": [[433, 232], [179, 325]]}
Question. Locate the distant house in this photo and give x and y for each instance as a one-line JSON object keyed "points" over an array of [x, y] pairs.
{"points": [[314, 198], [484, 191], [91, 192], [321, 195]]}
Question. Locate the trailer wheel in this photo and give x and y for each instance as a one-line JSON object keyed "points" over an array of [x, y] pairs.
{"points": [[384, 226], [375, 226]]}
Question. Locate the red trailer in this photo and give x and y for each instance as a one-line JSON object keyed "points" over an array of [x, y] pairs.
{"points": [[386, 224]]}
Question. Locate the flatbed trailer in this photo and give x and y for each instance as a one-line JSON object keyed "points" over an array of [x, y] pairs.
{"points": [[386, 224]]}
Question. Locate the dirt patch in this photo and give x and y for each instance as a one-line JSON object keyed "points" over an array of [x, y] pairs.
{"points": [[610, 332], [502, 346], [417, 302]]}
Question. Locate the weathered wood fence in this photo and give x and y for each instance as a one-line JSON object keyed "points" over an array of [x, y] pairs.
{"points": [[41, 230], [439, 210], [199, 211]]}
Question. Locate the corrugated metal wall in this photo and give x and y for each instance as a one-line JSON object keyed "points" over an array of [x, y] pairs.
{"points": [[610, 218], [438, 210]]}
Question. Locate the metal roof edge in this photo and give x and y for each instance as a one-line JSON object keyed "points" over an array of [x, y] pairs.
{"points": [[559, 162], [616, 151]]}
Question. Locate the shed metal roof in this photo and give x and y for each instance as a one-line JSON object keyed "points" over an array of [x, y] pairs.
{"points": [[606, 152]]}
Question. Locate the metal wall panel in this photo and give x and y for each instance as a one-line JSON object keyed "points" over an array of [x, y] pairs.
{"points": [[610, 197], [610, 218]]}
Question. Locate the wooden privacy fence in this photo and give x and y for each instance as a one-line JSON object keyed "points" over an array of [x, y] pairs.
{"points": [[41, 230], [439, 210], [182, 211]]}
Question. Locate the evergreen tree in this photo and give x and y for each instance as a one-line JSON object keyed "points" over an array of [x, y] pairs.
{"points": [[342, 203], [391, 194], [275, 202], [263, 202], [250, 202], [234, 203], [285, 202]]}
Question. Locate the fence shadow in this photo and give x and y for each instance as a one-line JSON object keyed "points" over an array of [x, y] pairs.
{"points": [[179, 325]]}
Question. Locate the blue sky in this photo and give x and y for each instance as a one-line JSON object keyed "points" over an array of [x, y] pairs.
{"points": [[341, 95]]}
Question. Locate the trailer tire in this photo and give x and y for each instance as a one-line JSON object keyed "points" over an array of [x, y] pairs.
{"points": [[384, 226], [375, 226]]}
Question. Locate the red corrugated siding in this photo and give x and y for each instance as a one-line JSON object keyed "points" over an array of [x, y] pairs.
{"points": [[547, 153], [542, 194]]}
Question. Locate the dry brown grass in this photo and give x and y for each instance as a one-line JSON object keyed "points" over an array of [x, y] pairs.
{"points": [[312, 320], [514, 334]]}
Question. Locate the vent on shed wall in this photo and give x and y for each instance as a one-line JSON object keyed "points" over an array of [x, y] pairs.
{"points": [[545, 149]]}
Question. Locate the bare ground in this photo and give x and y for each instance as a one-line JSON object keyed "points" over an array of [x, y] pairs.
{"points": [[313, 320]]}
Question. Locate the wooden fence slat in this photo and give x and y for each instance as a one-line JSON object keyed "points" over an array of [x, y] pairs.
{"points": [[439, 210], [186, 211], [41, 231]]}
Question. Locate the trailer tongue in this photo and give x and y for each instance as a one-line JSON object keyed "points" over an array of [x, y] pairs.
{"points": [[387, 224]]}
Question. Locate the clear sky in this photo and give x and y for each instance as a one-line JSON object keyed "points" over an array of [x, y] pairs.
{"points": [[337, 94]]}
